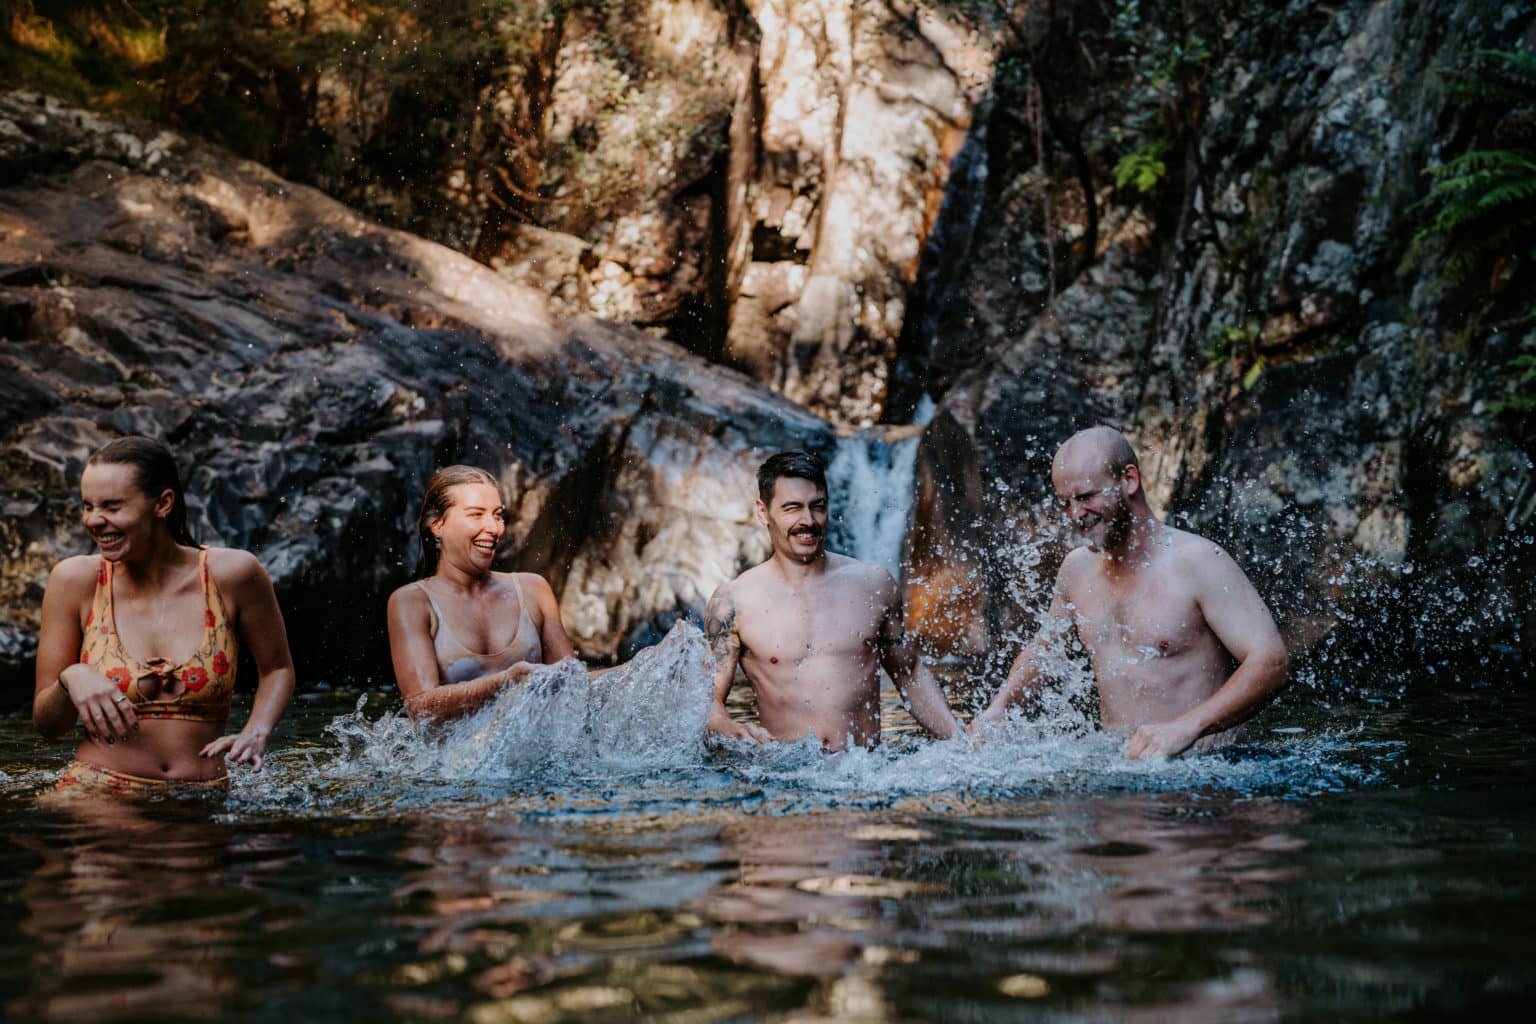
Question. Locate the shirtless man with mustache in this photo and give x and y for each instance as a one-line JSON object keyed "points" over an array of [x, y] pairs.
{"points": [[811, 629], [1182, 647]]}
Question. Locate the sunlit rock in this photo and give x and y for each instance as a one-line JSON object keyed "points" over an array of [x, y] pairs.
{"points": [[311, 368]]}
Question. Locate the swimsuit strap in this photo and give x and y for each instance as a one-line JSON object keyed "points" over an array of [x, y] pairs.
{"points": [[522, 610], [437, 613]]}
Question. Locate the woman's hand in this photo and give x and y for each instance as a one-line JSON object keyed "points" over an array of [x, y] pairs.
{"points": [[105, 711], [244, 747]]}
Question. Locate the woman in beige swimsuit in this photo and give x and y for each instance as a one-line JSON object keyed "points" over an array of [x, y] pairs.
{"points": [[463, 632]]}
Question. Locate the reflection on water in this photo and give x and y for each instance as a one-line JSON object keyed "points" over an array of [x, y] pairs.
{"points": [[129, 912], [513, 868]]}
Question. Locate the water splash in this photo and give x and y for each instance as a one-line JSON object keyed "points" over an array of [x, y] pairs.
{"points": [[648, 712], [633, 743]]}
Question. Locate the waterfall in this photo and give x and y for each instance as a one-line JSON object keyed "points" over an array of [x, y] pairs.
{"points": [[870, 483]]}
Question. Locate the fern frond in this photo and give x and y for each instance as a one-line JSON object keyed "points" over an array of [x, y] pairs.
{"points": [[1495, 76], [1507, 194]]}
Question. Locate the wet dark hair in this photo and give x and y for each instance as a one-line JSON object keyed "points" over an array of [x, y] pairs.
{"points": [[435, 504], [155, 472], [797, 464]]}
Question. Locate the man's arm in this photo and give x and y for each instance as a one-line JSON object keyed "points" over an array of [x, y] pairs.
{"points": [[919, 690], [725, 645], [1243, 625], [1027, 672]]}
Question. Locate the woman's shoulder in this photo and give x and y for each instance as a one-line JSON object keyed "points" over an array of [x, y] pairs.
{"points": [[408, 596], [77, 572], [233, 564], [530, 583], [238, 574]]}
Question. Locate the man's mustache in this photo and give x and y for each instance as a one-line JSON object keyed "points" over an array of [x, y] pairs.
{"points": [[806, 531]]}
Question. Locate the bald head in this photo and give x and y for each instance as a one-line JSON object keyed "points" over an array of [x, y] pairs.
{"points": [[1103, 445]]}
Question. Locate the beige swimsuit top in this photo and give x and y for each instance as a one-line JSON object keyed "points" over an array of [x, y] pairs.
{"points": [[457, 663]]}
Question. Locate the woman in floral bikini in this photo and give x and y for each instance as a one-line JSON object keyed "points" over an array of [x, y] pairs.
{"points": [[138, 643]]}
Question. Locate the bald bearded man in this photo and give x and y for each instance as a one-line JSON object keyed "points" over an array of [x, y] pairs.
{"points": [[1182, 647]]}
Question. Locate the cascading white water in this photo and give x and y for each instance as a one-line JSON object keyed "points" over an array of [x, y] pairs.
{"points": [[870, 481]]}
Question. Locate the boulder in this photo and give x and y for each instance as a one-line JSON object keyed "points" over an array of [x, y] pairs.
{"points": [[311, 368]]}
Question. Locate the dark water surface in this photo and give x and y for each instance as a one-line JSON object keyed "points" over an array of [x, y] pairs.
{"points": [[1367, 860]]}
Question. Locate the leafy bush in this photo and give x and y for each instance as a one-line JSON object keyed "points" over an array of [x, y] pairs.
{"points": [[1142, 168]]}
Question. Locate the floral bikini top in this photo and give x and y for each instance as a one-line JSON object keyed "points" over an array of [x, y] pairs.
{"points": [[197, 690]]}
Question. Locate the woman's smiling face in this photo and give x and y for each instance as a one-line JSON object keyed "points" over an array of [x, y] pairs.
{"points": [[469, 532], [116, 512]]}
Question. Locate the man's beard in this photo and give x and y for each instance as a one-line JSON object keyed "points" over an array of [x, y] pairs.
{"points": [[1117, 525]]}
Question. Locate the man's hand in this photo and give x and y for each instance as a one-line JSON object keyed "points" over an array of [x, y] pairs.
{"points": [[1159, 740], [722, 724]]}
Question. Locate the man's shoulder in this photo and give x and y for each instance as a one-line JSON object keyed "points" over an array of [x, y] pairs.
{"points": [[1201, 560], [867, 576], [1077, 563], [1193, 548]]}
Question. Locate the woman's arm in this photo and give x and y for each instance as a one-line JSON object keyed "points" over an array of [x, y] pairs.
{"points": [[415, 664], [553, 640], [248, 590], [65, 691]]}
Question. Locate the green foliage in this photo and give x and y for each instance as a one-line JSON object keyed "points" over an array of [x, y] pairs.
{"points": [[1143, 168], [1521, 396], [1481, 205], [1238, 344], [1477, 194], [1494, 76]]}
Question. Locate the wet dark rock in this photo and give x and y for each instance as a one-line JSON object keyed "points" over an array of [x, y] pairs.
{"points": [[311, 369], [1359, 471]]}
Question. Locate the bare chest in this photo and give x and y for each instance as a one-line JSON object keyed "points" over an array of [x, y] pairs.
{"points": [[165, 625], [1142, 620], [784, 627]]}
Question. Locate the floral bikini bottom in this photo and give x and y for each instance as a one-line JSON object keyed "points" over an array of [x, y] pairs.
{"points": [[82, 779]]}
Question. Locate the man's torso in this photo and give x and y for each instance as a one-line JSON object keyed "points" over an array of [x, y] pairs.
{"points": [[812, 654], [1153, 654]]}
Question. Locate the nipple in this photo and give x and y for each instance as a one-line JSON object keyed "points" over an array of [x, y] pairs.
{"points": [[773, 660]]}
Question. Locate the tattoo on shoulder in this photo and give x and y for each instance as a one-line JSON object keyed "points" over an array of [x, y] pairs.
{"points": [[720, 624]]}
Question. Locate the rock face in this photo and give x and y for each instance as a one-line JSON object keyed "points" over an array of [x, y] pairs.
{"points": [[311, 369], [778, 221], [1298, 391], [864, 107]]}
